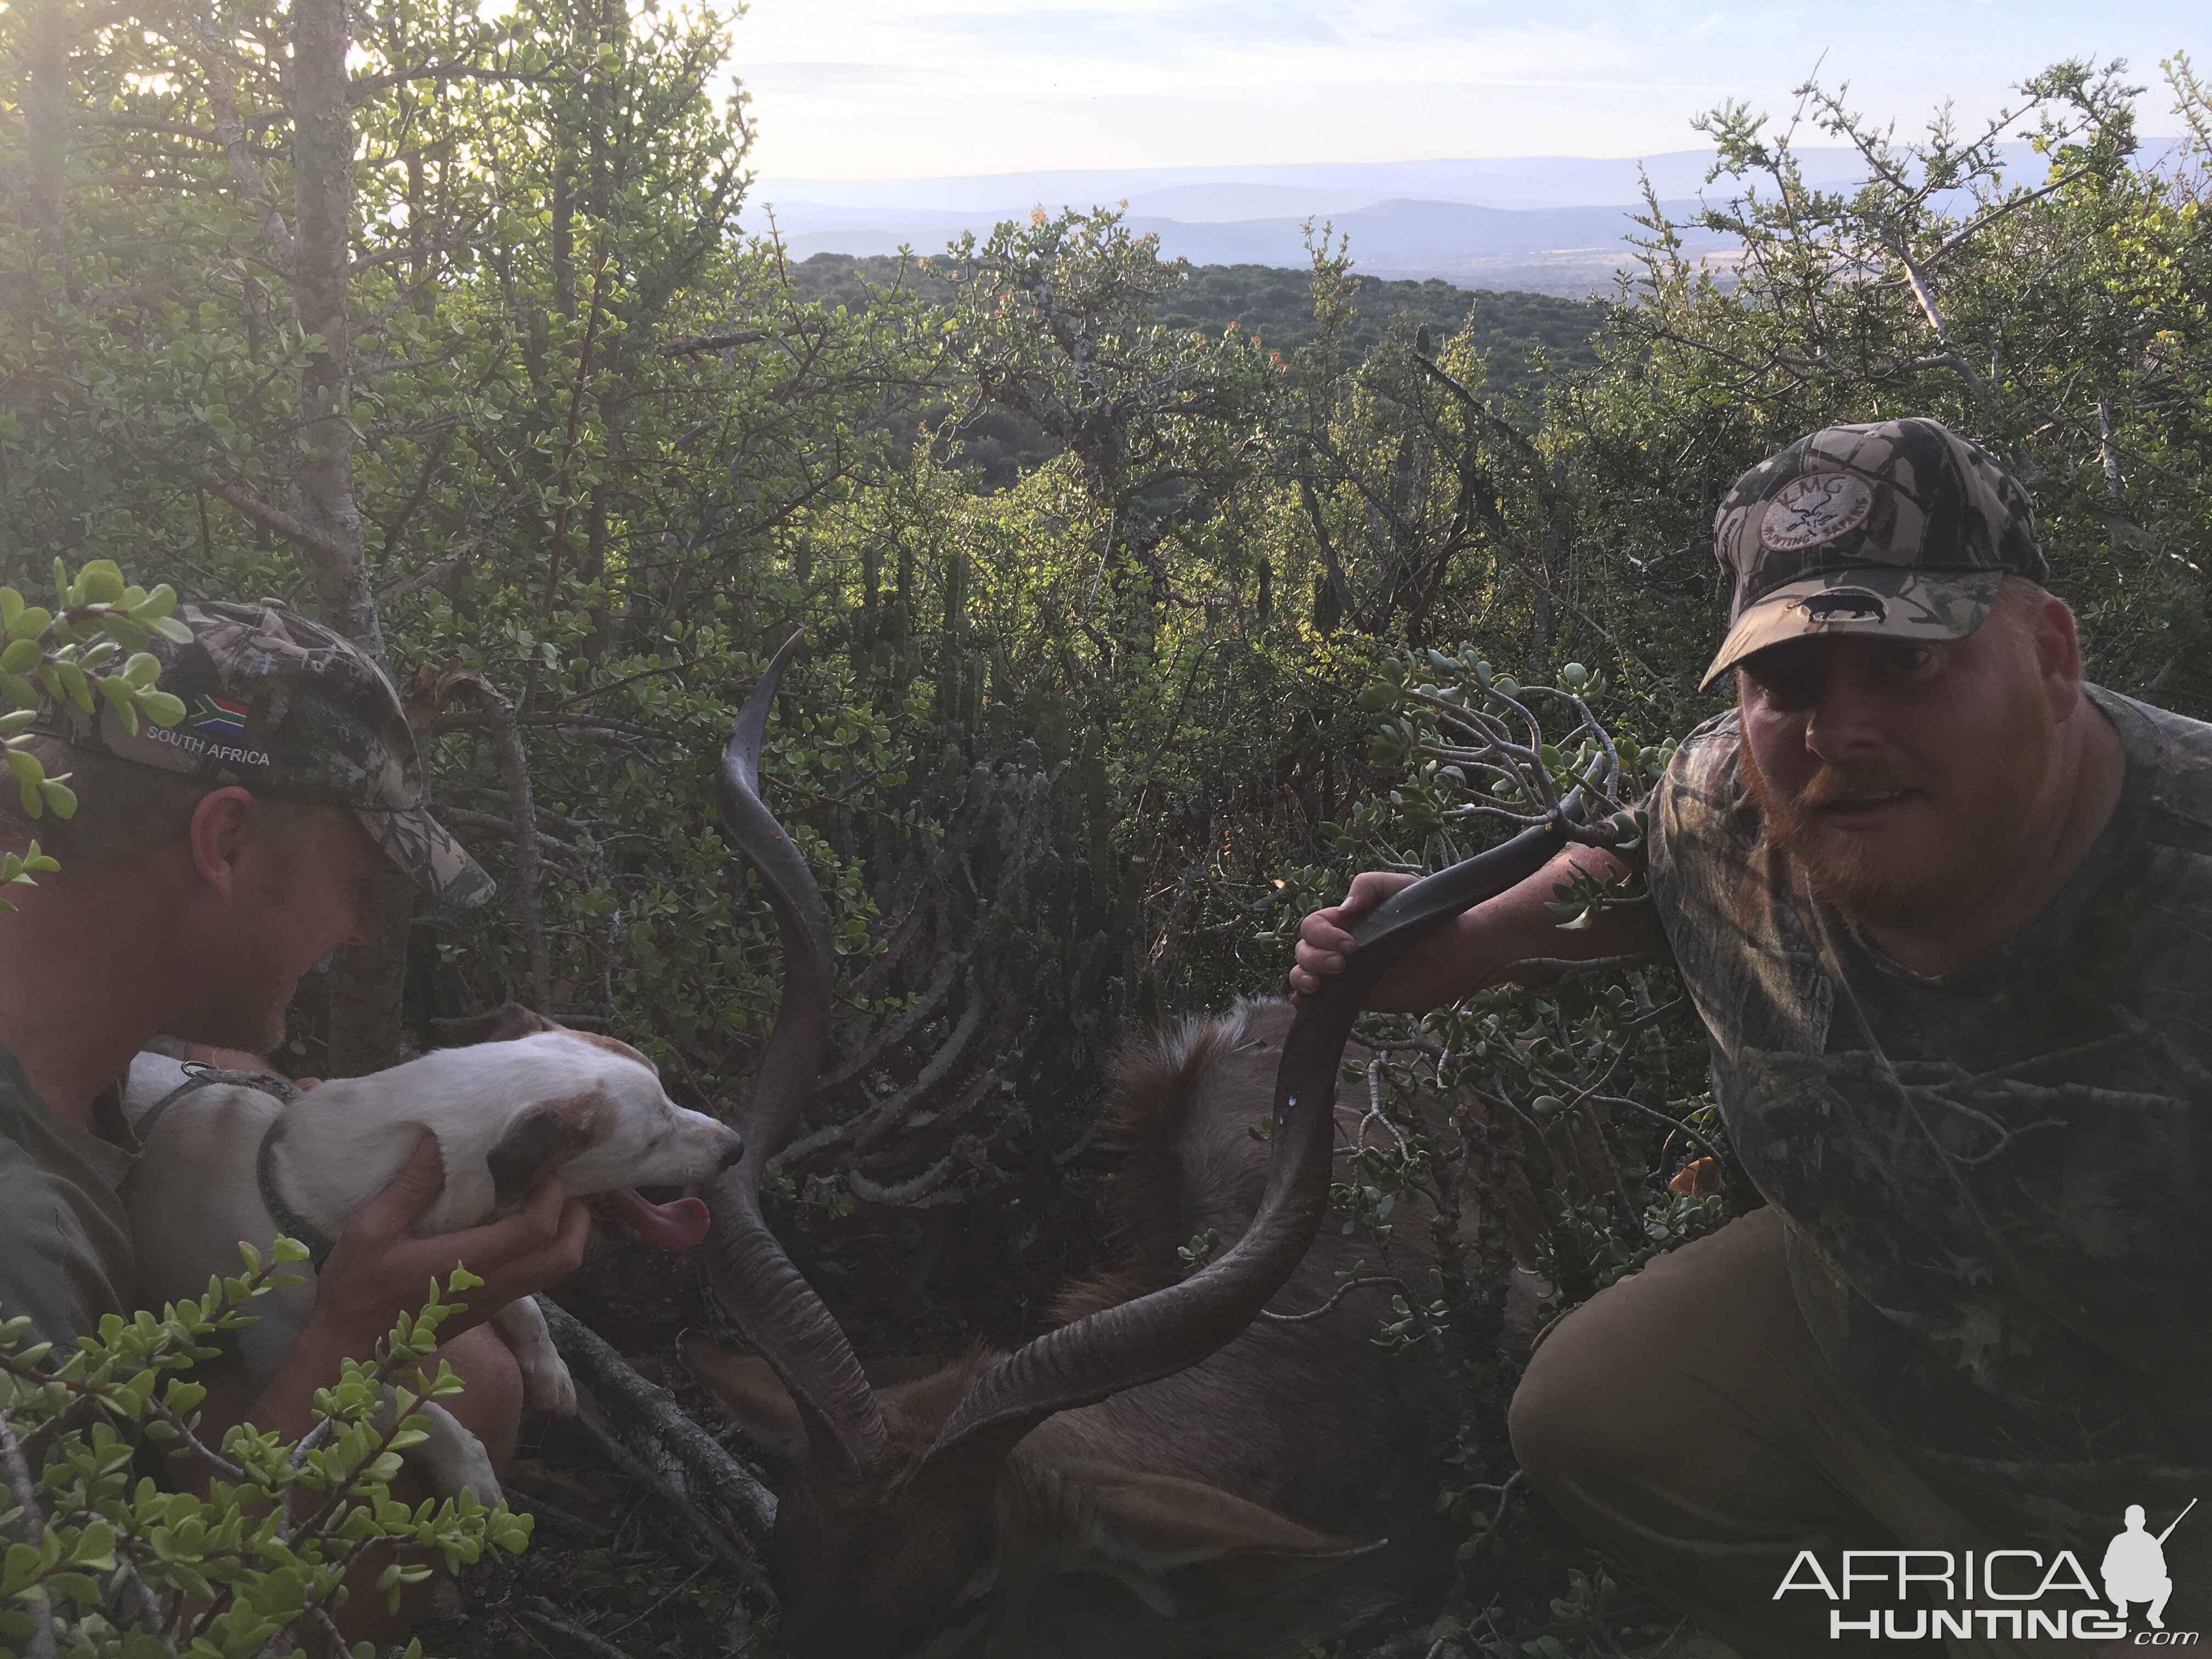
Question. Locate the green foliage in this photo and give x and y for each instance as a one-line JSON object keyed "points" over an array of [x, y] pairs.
{"points": [[1200, 1251], [1520, 338], [2059, 320], [98, 1566], [1522, 334], [75, 652]]}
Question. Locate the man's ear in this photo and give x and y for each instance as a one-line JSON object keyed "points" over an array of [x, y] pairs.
{"points": [[2058, 649], [542, 1139], [1182, 1547], [217, 834], [745, 1386], [504, 1023]]}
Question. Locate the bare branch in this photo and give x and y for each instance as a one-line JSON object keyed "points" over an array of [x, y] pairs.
{"points": [[25, 1491], [539, 1612], [269, 516], [365, 87], [522, 817], [698, 345], [1335, 1297], [230, 133]]}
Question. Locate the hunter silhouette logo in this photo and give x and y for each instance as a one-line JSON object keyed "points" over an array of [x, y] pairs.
{"points": [[1814, 509], [1844, 604], [2135, 1566]]}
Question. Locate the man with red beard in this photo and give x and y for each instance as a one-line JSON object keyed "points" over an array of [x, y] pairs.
{"points": [[1942, 908]]}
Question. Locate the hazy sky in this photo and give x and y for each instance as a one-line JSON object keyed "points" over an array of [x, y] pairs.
{"points": [[877, 88]]}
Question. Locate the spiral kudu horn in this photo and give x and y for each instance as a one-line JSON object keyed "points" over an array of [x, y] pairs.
{"points": [[755, 1281], [1120, 1347], [1172, 1329]]}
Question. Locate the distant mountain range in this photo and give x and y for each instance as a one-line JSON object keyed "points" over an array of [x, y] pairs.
{"points": [[1546, 224]]}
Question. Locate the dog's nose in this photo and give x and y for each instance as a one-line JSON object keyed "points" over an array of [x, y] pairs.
{"points": [[732, 1152]]}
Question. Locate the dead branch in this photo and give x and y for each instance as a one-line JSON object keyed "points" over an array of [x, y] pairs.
{"points": [[611, 1377], [683, 1521], [540, 1612]]}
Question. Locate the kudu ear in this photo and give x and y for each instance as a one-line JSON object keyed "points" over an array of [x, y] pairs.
{"points": [[1184, 1548], [744, 1386], [504, 1023]]}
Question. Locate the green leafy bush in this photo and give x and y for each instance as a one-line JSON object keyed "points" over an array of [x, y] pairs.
{"points": [[84, 649], [100, 1565]]}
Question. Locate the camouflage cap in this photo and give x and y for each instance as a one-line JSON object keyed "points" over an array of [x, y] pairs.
{"points": [[1901, 528], [287, 708]]}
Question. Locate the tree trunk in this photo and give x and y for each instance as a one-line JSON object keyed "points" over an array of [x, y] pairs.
{"points": [[367, 1026], [322, 198], [46, 122]]}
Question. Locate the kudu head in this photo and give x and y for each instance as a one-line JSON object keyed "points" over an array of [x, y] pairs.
{"points": [[884, 1543]]}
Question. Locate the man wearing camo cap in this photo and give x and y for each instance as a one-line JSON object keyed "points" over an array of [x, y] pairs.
{"points": [[285, 707], [1946, 912], [209, 866]]}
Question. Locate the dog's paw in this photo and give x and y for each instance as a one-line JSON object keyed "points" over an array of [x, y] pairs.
{"points": [[546, 1384], [453, 1459], [547, 1387]]}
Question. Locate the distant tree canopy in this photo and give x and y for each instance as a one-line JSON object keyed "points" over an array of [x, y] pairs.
{"points": [[1523, 338], [435, 324], [1275, 306]]}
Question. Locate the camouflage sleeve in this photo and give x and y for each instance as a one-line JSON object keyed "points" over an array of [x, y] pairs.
{"points": [[1685, 815]]}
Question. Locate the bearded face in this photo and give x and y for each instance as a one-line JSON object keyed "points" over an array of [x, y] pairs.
{"points": [[1904, 778]]}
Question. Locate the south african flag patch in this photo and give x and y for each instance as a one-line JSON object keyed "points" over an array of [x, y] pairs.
{"points": [[218, 717]]}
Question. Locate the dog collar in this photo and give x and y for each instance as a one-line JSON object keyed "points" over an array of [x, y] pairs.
{"points": [[289, 1222]]}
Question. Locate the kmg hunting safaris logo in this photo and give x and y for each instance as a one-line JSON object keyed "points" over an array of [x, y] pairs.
{"points": [[1812, 508], [218, 717], [2015, 1595]]}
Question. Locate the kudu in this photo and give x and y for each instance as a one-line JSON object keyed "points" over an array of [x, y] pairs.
{"points": [[1165, 1440]]}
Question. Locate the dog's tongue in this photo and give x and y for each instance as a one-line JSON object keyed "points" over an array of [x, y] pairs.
{"points": [[673, 1226]]}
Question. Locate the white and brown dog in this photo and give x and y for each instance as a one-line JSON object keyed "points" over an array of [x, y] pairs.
{"points": [[231, 1158]]}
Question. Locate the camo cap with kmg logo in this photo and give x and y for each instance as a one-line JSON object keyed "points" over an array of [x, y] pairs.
{"points": [[287, 708], [1901, 528]]}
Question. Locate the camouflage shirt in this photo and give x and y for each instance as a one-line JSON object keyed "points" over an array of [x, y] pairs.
{"points": [[1995, 1179]]}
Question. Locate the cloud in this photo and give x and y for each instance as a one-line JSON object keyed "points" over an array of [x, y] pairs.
{"points": [[801, 77], [878, 88]]}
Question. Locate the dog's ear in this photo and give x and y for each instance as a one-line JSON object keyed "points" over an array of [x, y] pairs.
{"points": [[543, 1137], [504, 1023]]}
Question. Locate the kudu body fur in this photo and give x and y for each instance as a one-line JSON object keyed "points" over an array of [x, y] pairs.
{"points": [[1170, 1445]]}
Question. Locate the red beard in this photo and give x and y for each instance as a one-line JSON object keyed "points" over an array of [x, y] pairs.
{"points": [[1985, 801]]}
